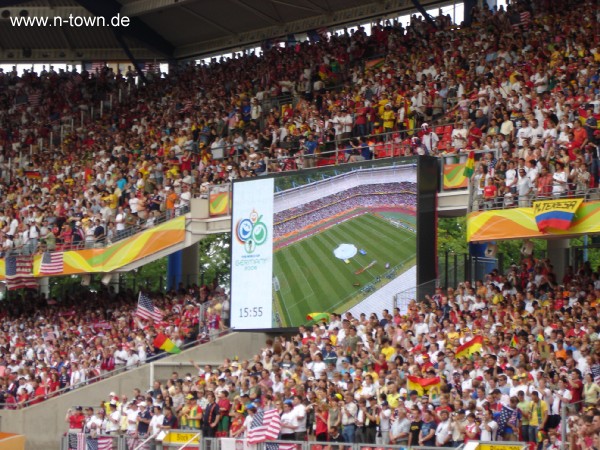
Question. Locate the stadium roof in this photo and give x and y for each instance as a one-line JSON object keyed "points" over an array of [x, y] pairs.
{"points": [[170, 29]]}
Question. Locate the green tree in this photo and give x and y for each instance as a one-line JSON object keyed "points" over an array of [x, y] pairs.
{"points": [[215, 258], [452, 234]]}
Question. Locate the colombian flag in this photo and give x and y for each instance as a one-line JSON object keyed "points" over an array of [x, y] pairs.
{"points": [[556, 214], [469, 347], [422, 385], [470, 165], [164, 343]]}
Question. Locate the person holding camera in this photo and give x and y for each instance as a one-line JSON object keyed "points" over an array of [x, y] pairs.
{"points": [[349, 413], [458, 422]]}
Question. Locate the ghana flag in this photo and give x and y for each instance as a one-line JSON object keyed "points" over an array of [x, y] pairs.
{"points": [[318, 316], [162, 342], [469, 347], [470, 165]]}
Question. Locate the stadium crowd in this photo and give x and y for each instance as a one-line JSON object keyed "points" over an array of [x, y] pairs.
{"points": [[347, 379], [396, 195], [170, 138], [48, 346], [164, 138]]}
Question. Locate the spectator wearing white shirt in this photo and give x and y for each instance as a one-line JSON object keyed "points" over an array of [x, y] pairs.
{"points": [[489, 427], [300, 414], [443, 432], [114, 419], [289, 422]]}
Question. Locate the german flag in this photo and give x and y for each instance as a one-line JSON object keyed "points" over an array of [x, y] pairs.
{"points": [[33, 175], [470, 347], [422, 385], [514, 342]]}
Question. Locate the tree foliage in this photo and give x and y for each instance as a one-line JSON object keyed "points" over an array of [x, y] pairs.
{"points": [[215, 259]]}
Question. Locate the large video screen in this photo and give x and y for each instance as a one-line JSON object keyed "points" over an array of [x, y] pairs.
{"points": [[328, 240]]}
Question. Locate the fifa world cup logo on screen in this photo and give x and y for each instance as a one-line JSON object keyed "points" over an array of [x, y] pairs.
{"points": [[251, 232]]}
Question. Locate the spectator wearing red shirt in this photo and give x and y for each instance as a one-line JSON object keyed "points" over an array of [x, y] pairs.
{"points": [[75, 419]]}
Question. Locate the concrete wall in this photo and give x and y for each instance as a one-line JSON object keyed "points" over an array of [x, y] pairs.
{"points": [[44, 424]]}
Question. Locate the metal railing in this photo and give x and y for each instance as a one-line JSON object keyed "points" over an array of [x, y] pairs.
{"points": [[141, 225], [478, 202], [566, 428], [209, 338], [182, 439]]}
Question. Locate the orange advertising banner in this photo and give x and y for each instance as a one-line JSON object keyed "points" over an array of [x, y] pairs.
{"points": [[520, 223]]}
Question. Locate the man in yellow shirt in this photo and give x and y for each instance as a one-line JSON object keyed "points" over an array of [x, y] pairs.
{"points": [[190, 415], [387, 350], [389, 118], [538, 414], [393, 396]]}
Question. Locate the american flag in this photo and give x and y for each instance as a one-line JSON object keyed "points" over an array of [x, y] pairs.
{"points": [[188, 105], [146, 309], [265, 426], [322, 31], [19, 273], [69, 86], [52, 263], [150, 67], [101, 325], [504, 417], [522, 19], [596, 372], [98, 66], [77, 441], [48, 336], [34, 98], [101, 443]]}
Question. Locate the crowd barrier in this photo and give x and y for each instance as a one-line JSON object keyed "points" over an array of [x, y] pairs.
{"points": [[141, 225], [191, 439], [477, 202]]}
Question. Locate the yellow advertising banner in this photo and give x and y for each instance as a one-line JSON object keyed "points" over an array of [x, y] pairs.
{"points": [[179, 437], [521, 223], [117, 255], [501, 446]]}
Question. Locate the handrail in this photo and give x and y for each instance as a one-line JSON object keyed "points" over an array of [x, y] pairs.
{"points": [[111, 373], [480, 203], [143, 444], [126, 233]]}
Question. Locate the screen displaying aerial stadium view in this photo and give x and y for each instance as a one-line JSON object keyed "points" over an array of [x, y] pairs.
{"points": [[322, 241]]}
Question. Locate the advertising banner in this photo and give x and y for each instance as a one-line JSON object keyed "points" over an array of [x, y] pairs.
{"points": [[522, 223]]}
